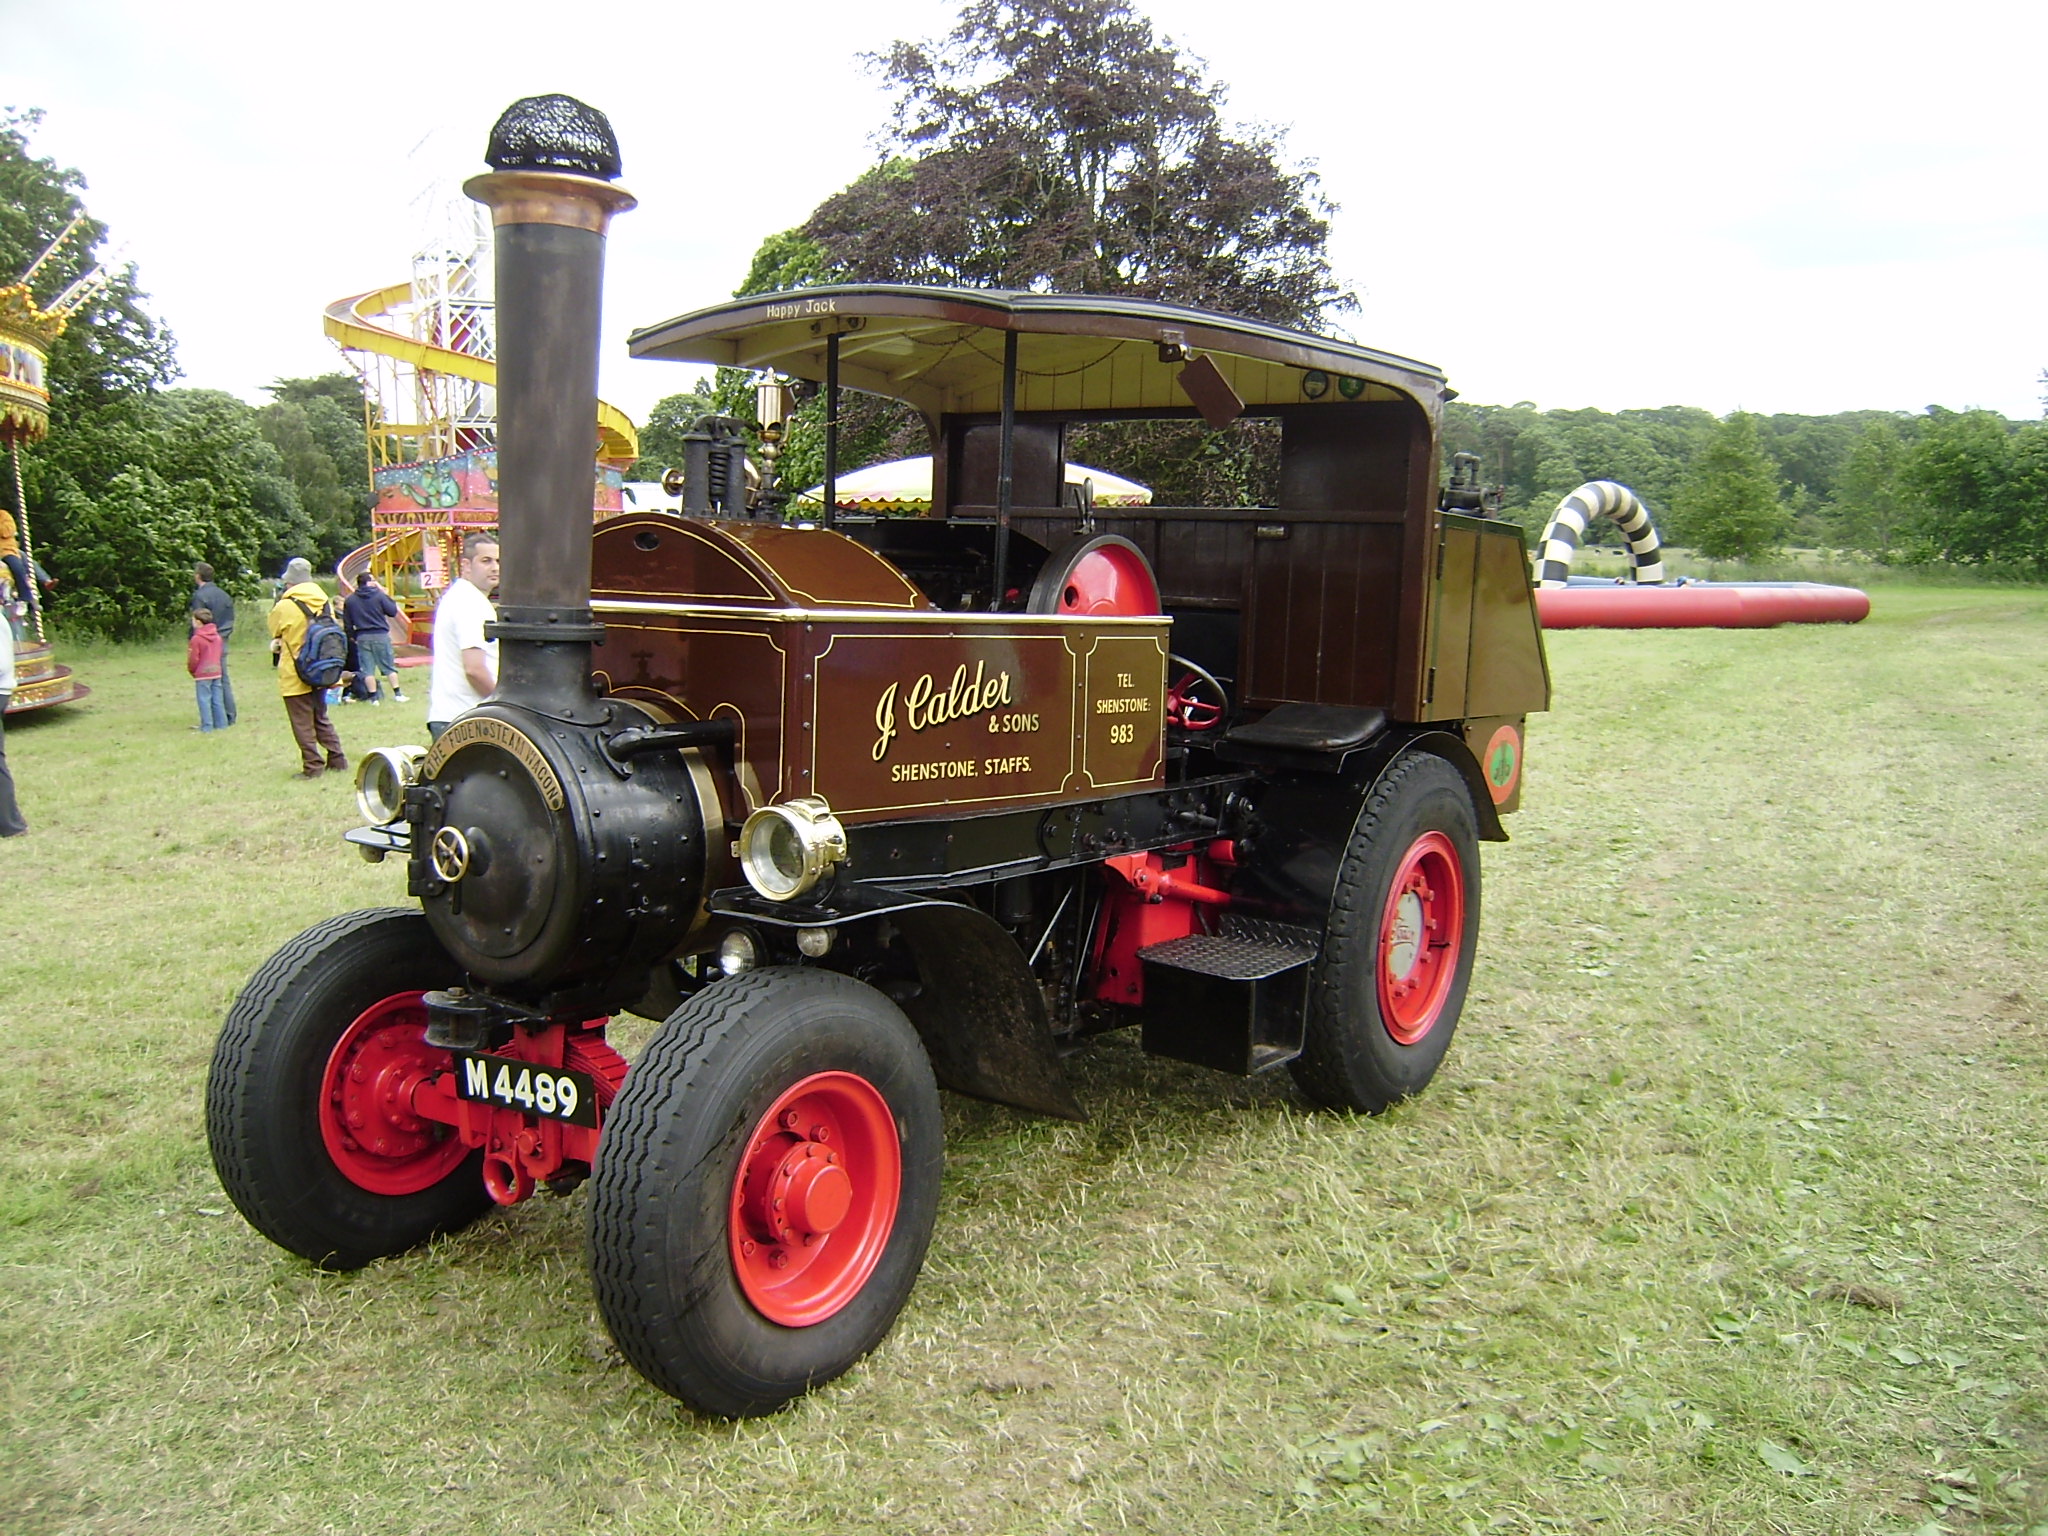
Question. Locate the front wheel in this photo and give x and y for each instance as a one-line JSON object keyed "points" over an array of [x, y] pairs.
{"points": [[1404, 924], [308, 1105], [766, 1189]]}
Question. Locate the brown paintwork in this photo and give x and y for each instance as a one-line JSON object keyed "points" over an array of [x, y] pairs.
{"points": [[1332, 596], [934, 719], [1025, 710], [765, 565]]}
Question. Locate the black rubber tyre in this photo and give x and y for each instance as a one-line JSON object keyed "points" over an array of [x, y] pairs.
{"points": [[264, 1103], [665, 1225], [1375, 1037]]}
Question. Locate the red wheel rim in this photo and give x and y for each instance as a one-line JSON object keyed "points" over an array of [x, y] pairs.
{"points": [[1422, 929], [815, 1197], [366, 1115], [1110, 579]]}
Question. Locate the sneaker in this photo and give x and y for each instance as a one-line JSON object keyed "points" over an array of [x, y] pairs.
{"points": [[376, 698], [398, 696]]}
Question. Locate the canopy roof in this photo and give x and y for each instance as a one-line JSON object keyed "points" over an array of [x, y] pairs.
{"points": [[941, 350], [905, 485]]}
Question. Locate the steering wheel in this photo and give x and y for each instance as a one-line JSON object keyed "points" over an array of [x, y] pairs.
{"points": [[1196, 701]]}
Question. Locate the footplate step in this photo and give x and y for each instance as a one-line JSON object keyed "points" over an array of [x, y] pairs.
{"points": [[1234, 1004]]}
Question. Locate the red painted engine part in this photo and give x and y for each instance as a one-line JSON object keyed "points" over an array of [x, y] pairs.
{"points": [[1700, 605], [522, 1150], [1152, 897]]}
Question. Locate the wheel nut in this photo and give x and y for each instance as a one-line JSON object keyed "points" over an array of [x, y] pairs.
{"points": [[779, 1259], [789, 1119]]}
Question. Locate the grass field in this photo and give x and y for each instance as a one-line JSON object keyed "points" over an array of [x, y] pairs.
{"points": [[1726, 1213]]}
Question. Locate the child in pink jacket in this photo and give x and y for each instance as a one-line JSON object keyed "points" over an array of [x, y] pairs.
{"points": [[202, 660]]}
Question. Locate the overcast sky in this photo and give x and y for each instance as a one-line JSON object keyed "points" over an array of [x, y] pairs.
{"points": [[1775, 207]]}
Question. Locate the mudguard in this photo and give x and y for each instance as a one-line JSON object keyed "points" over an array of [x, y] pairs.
{"points": [[979, 1011]]}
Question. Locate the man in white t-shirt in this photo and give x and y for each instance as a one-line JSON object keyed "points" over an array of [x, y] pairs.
{"points": [[465, 663]]}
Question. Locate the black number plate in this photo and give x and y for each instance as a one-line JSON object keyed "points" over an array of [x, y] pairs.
{"points": [[554, 1093]]}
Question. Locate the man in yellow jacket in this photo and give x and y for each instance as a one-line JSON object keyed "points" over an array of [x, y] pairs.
{"points": [[304, 705]]}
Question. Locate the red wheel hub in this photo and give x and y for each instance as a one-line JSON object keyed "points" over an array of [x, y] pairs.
{"points": [[815, 1197], [1422, 930], [366, 1112], [1110, 580]]}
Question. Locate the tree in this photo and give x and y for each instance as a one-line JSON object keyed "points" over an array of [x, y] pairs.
{"points": [[111, 497], [1957, 475], [1061, 145], [1728, 506], [1869, 506]]}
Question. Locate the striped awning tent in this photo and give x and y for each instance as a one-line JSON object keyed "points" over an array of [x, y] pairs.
{"points": [[905, 485]]}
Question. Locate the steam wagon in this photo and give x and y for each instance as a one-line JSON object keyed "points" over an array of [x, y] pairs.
{"points": [[863, 808]]}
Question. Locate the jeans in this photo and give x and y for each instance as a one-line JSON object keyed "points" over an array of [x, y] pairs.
{"points": [[24, 589], [11, 824], [213, 709], [227, 689]]}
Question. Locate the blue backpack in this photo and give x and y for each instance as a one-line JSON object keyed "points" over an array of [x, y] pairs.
{"points": [[323, 654]]}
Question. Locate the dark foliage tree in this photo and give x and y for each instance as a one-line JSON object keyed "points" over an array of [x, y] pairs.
{"points": [[1062, 145]]}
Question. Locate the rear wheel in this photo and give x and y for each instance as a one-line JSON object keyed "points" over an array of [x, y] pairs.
{"points": [[766, 1189], [308, 1108], [1404, 924]]}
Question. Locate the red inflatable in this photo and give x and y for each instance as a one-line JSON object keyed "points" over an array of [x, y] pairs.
{"points": [[1699, 605]]}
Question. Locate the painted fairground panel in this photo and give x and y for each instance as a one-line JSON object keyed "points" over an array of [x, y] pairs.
{"points": [[468, 482]]}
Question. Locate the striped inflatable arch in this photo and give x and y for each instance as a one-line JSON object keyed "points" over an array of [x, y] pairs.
{"points": [[1598, 498]]}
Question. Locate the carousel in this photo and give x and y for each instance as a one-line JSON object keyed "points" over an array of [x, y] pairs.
{"points": [[26, 334]]}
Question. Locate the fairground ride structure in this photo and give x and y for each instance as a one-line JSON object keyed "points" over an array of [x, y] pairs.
{"points": [[425, 351], [27, 332]]}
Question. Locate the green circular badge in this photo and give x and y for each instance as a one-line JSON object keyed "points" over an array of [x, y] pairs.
{"points": [[1350, 388], [1503, 763], [1315, 384]]}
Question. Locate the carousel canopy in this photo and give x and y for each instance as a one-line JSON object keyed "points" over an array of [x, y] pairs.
{"points": [[905, 485]]}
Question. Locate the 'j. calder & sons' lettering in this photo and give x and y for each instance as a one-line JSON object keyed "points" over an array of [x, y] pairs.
{"points": [[928, 703]]}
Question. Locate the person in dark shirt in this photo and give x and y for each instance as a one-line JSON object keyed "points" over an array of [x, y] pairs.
{"points": [[216, 602], [367, 616]]}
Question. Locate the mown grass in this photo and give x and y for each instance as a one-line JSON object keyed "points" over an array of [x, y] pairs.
{"points": [[1726, 1213]]}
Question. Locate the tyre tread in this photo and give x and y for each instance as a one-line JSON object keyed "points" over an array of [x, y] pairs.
{"points": [[1327, 1071]]}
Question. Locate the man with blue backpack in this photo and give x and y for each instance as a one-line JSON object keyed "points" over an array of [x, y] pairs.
{"points": [[310, 651]]}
